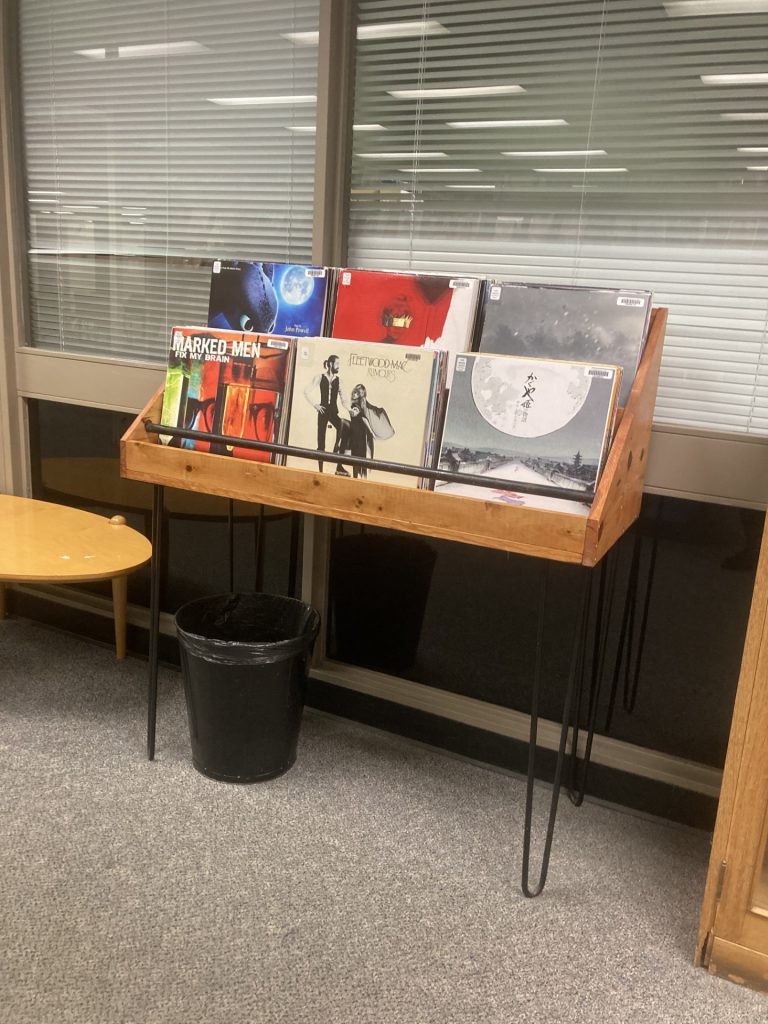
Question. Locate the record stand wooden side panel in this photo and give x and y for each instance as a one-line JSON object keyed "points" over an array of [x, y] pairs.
{"points": [[545, 534]]}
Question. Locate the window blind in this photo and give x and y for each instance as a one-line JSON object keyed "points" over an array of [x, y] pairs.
{"points": [[158, 136], [620, 143]]}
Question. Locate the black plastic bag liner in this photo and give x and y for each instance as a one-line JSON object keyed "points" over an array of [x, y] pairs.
{"points": [[247, 629], [244, 661]]}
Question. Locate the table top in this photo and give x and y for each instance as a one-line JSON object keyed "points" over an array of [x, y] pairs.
{"points": [[41, 541]]}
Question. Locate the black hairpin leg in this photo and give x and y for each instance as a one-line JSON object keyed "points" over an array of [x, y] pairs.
{"points": [[577, 645], [231, 539], [630, 686], [293, 563], [606, 591], [626, 644], [154, 615], [259, 550]]}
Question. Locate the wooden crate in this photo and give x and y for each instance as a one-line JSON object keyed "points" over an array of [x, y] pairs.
{"points": [[545, 534]]}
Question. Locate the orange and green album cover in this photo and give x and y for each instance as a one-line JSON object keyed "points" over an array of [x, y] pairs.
{"points": [[227, 382]]}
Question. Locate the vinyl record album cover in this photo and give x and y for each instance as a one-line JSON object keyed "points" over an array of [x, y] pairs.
{"points": [[423, 310], [227, 382], [268, 298], [366, 400], [538, 421], [602, 325]]}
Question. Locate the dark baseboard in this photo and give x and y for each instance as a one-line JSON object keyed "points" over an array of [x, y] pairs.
{"points": [[617, 787]]}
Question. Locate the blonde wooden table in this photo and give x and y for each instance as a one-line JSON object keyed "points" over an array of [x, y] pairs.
{"points": [[47, 543]]}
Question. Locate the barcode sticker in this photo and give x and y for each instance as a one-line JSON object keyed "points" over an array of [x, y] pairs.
{"points": [[346, 277], [315, 271], [461, 364], [217, 266], [628, 300], [278, 343], [495, 293], [594, 371], [458, 282]]}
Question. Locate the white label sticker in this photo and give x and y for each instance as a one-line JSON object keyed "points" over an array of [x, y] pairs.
{"points": [[346, 277], [495, 293], [217, 266], [315, 271], [304, 352], [277, 343], [461, 364], [458, 282], [595, 371], [627, 300]]}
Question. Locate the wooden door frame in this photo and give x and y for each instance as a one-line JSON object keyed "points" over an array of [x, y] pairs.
{"points": [[738, 836]]}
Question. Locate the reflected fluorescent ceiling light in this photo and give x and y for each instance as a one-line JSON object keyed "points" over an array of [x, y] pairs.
{"points": [[427, 155], [752, 115], [469, 188], [699, 8], [555, 152], [439, 170], [384, 30], [752, 149], [44, 192], [453, 93], [537, 122], [145, 50], [743, 78], [761, 167], [310, 129], [580, 170], [261, 101]]}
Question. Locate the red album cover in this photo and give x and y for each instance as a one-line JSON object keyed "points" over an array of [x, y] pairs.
{"points": [[422, 310]]}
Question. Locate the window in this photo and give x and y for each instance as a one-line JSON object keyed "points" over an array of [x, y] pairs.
{"points": [[582, 143], [158, 136]]}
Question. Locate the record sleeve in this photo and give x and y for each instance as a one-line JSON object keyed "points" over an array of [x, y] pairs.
{"points": [[578, 324], [287, 299], [429, 311], [539, 421], [363, 399], [227, 382]]}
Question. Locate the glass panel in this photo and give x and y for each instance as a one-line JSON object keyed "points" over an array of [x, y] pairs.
{"points": [[156, 138], [75, 460], [608, 144], [463, 619]]}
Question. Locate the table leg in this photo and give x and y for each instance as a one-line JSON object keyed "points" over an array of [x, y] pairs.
{"points": [[154, 616], [527, 889], [120, 611]]}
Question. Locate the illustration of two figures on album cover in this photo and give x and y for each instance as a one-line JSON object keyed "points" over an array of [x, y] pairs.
{"points": [[356, 421]]}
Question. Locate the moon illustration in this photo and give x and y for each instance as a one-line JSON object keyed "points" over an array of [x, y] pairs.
{"points": [[296, 286], [528, 399]]}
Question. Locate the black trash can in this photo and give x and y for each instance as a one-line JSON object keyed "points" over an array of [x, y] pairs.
{"points": [[244, 661]]}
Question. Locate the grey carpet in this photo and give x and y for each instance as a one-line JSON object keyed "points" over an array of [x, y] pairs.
{"points": [[377, 881]]}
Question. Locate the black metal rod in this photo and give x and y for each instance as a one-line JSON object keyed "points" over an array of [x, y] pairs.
{"points": [[577, 792], [425, 472], [259, 549], [564, 729], [154, 616], [231, 538]]}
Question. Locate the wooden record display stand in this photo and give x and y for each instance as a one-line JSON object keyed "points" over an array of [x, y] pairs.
{"points": [[544, 534]]}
